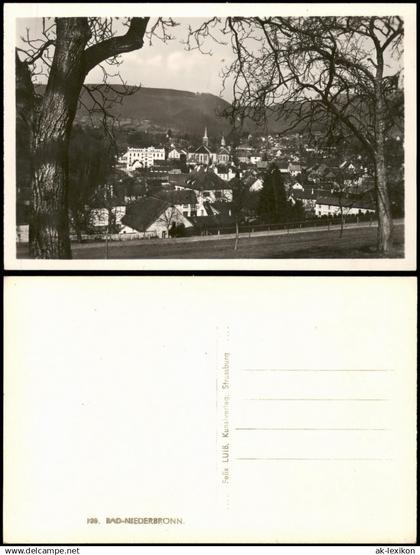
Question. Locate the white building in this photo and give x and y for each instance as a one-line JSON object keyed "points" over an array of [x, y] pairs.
{"points": [[175, 154], [142, 157], [225, 172], [294, 169], [331, 206]]}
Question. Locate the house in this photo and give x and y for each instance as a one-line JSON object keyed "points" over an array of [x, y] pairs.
{"points": [[178, 181], [252, 181], [243, 153], [307, 198], [254, 159], [208, 186], [332, 206], [176, 153], [153, 217], [185, 201], [219, 209], [224, 172], [157, 178], [257, 185], [347, 166], [294, 169]]}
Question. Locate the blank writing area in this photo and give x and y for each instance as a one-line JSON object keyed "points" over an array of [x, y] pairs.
{"points": [[322, 439], [315, 415]]}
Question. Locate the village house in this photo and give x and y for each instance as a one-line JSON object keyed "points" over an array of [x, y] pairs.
{"points": [[294, 169], [176, 154], [208, 186], [332, 206], [224, 172], [255, 158], [252, 181], [243, 154], [347, 166], [185, 201], [307, 198], [153, 217]]}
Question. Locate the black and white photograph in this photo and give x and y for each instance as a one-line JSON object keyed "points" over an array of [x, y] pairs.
{"points": [[276, 137]]}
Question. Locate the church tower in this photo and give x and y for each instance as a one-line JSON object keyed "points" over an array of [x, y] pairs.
{"points": [[205, 138], [223, 142]]}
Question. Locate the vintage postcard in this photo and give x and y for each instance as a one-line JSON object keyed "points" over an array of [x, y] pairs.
{"points": [[210, 136], [210, 410]]}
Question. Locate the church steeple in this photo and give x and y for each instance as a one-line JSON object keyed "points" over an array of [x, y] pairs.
{"points": [[223, 142], [205, 138]]}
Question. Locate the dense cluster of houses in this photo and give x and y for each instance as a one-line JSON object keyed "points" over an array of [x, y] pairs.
{"points": [[193, 189], [201, 195]]}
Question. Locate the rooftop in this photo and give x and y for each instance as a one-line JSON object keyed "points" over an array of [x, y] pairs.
{"points": [[205, 180], [141, 214], [185, 196]]}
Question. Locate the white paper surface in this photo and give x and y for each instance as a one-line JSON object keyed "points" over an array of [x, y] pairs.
{"points": [[268, 409]]}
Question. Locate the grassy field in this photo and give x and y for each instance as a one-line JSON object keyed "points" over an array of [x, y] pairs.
{"points": [[355, 243]]}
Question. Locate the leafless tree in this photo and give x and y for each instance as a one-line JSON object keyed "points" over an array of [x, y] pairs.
{"points": [[341, 72], [66, 51]]}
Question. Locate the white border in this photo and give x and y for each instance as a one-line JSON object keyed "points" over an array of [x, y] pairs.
{"points": [[14, 11]]}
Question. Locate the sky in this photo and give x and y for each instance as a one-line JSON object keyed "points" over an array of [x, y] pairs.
{"points": [[164, 65], [169, 65]]}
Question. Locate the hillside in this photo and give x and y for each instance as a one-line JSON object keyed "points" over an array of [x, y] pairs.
{"points": [[184, 112], [181, 111], [160, 109]]}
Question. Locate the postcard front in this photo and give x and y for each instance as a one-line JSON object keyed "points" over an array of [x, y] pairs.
{"points": [[238, 137]]}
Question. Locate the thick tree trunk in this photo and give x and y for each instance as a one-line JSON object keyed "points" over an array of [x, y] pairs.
{"points": [[49, 229], [51, 124], [385, 225]]}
